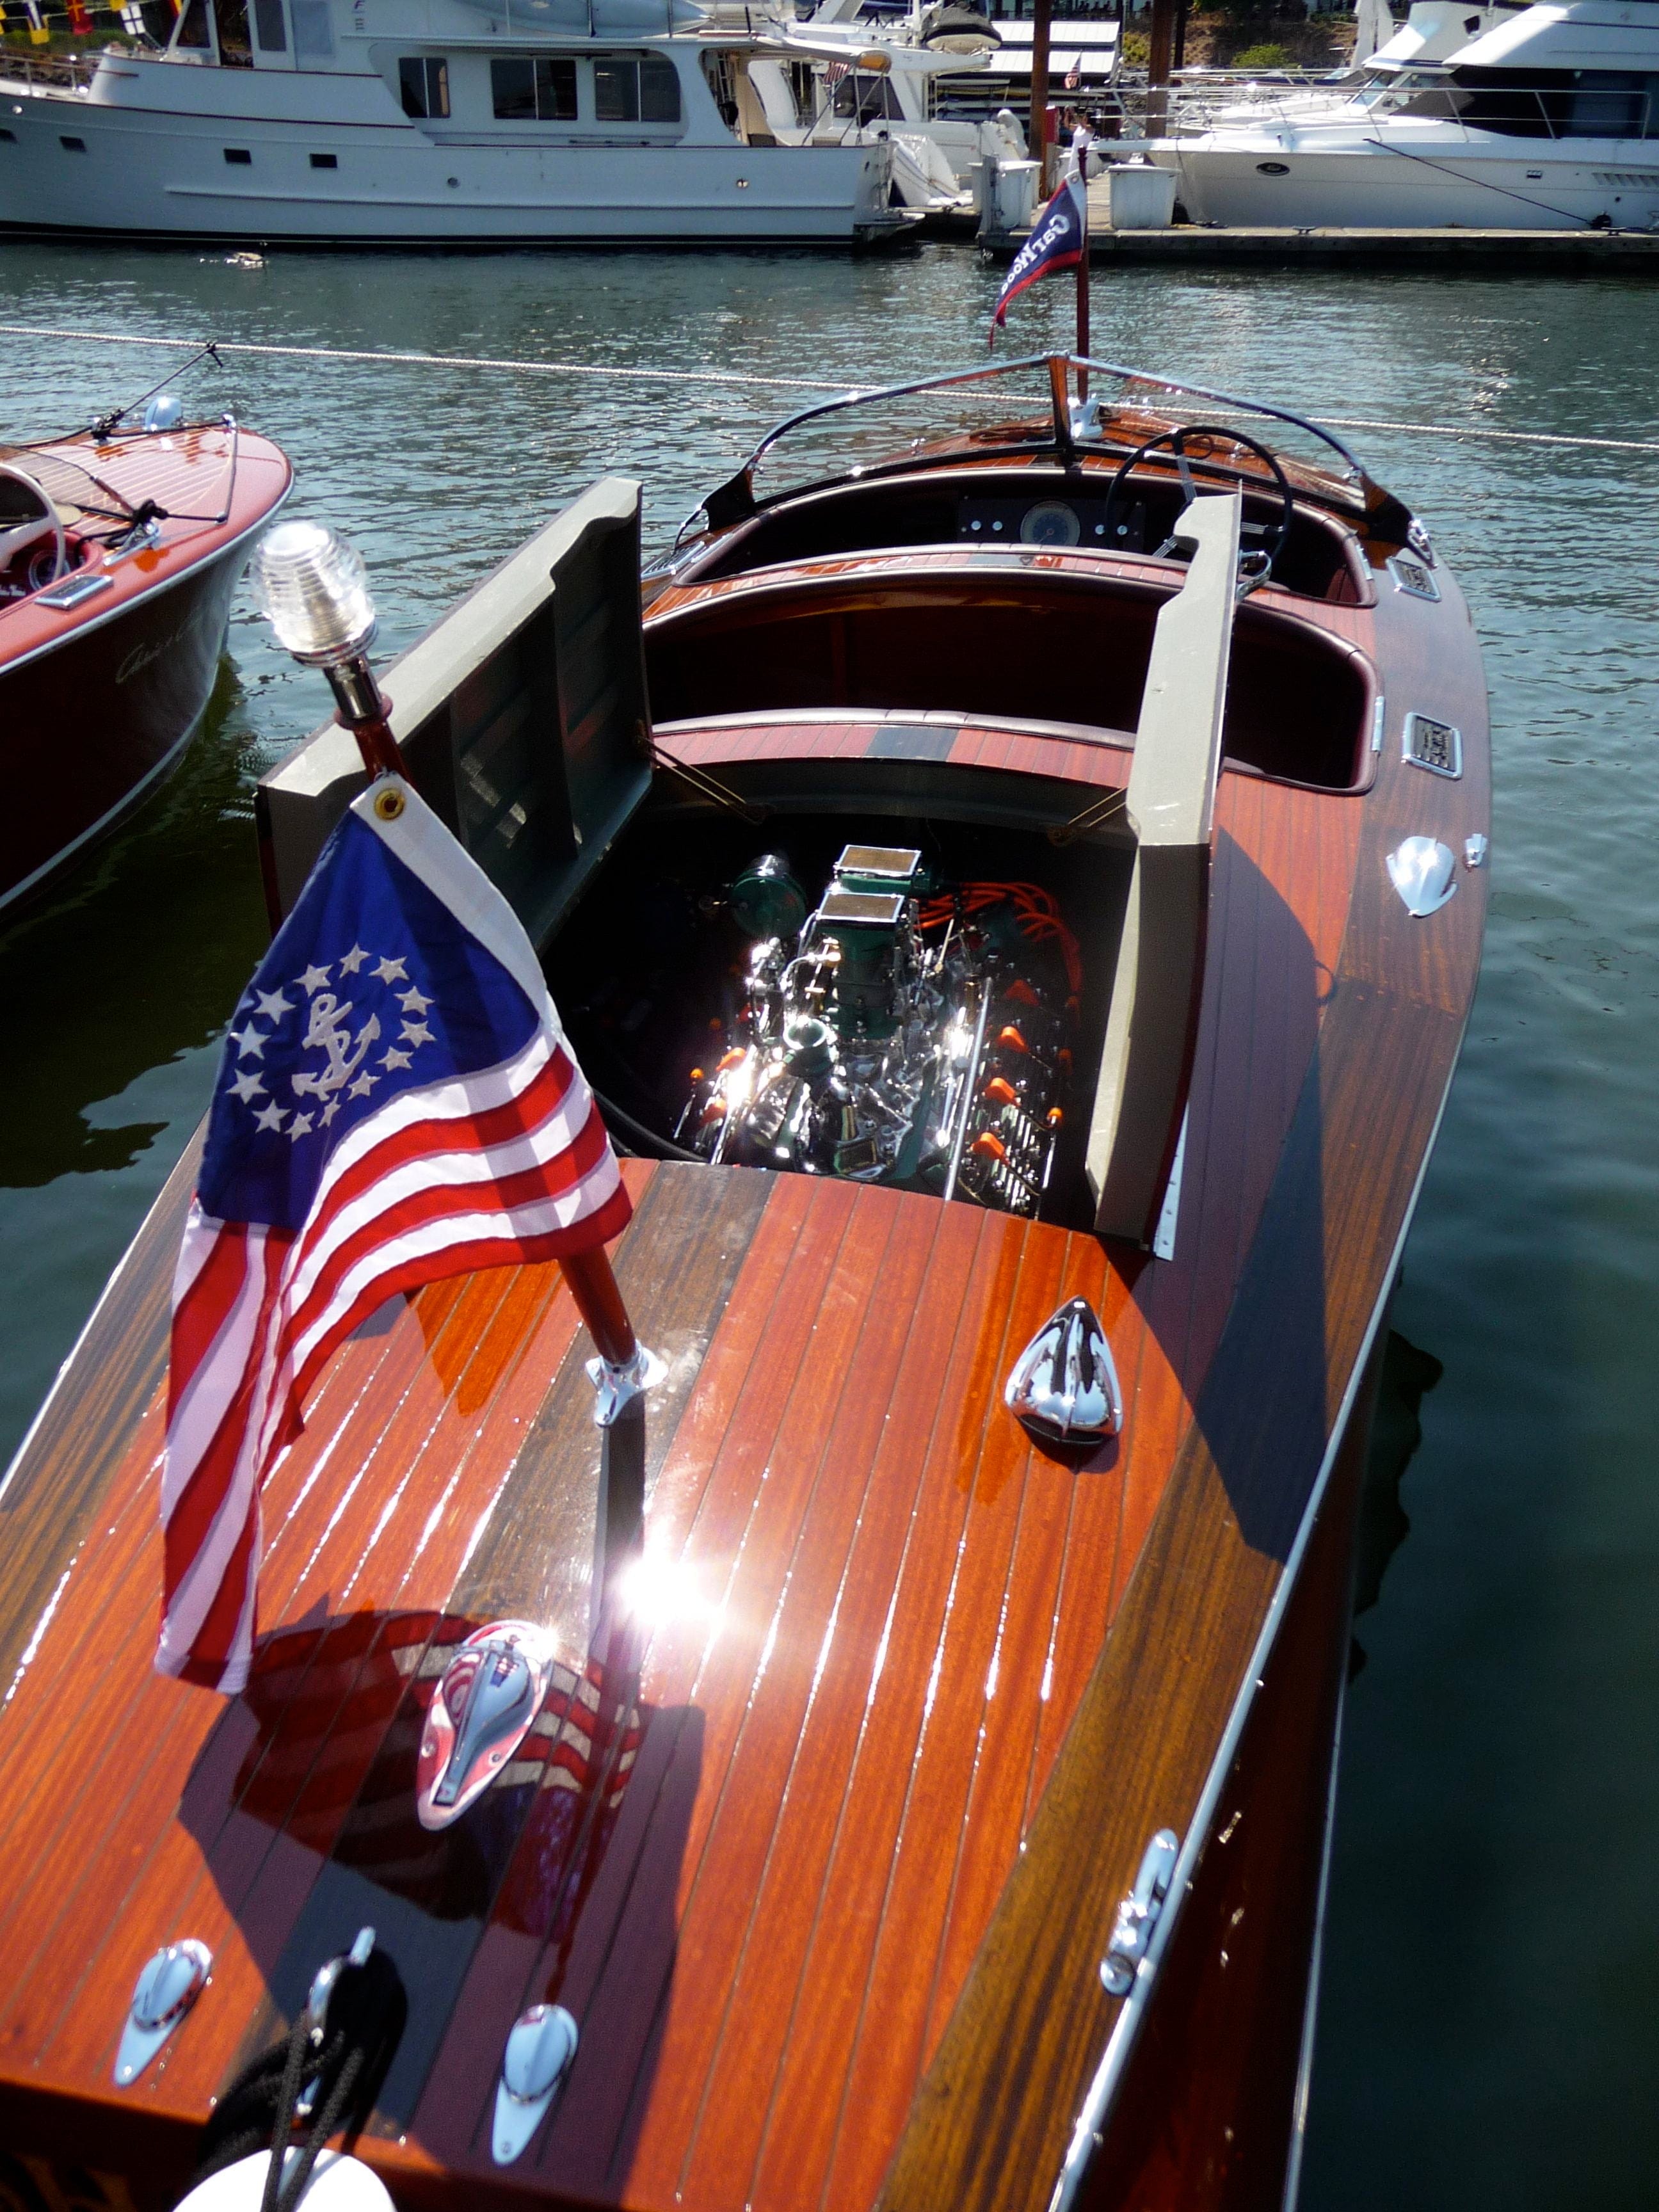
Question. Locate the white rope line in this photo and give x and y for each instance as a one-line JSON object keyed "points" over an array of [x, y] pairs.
{"points": [[735, 379], [436, 360], [1508, 437]]}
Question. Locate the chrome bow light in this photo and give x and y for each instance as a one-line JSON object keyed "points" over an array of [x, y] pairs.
{"points": [[1064, 1387], [540, 2050], [313, 588], [481, 1712], [1422, 871], [171, 1981]]}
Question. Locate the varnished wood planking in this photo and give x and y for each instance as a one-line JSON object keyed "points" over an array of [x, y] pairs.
{"points": [[991, 2123], [59, 1476], [436, 1892], [1204, 2118], [774, 1681], [89, 2027], [767, 1972], [665, 1816]]}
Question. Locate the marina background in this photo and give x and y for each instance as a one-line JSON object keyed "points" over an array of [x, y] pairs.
{"points": [[1488, 2035]]}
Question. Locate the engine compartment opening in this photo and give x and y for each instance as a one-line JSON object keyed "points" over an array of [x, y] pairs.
{"points": [[883, 998]]}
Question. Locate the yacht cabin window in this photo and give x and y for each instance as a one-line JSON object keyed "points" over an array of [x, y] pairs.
{"points": [[635, 89], [269, 26], [313, 32], [533, 91], [235, 50], [194, 34], [871, 98], [1521, 103], [423, 82]]}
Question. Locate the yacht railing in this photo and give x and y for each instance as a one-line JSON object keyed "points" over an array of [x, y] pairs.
{"points": [[48, 72], [1514, 108]]}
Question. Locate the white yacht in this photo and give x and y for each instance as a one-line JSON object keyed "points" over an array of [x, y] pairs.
{"points": [[1541, 123], [434, 121], [934, 83], [1433, 30]]}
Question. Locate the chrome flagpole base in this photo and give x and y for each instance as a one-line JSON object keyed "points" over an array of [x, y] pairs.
{"points": [[617, 1383]]}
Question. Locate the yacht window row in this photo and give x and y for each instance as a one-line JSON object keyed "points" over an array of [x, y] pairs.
{"points": [[1542, 103], [544, 88]]}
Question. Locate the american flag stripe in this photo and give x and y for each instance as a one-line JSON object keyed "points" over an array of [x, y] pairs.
{"points": [[507, 1192], [211, 1507], [414, 1155], [424, 1224], [480, 1167]]}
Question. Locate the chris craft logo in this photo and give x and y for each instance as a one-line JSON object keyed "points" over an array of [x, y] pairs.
{"points": [[342, 1034]]}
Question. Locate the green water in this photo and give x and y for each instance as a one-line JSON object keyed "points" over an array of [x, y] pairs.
{"points": [[1489, 2036]]}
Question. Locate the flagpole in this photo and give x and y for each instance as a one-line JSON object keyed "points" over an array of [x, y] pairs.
{"points": [[362, 708], [599, 1301], [311, 584], [1083, 273]]}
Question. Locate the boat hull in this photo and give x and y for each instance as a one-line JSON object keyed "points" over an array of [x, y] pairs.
{"points": [[154, 172], [95, 725], [1438, 186]]}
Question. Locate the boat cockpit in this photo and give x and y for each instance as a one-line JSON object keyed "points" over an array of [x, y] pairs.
{"points": [[933, 750]]}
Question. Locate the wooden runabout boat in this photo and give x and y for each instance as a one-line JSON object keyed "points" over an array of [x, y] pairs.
{"points": [[1024, 942], [119, 549]]}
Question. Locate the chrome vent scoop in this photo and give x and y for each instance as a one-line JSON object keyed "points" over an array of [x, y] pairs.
{"points": [[1064, 1387], [481, 1712]]}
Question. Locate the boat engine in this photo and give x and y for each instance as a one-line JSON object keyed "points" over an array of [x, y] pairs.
{"points": [[900, 1032]]}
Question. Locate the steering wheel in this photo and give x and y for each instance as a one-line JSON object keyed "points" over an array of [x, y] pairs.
{"points": [[1272, 534]]}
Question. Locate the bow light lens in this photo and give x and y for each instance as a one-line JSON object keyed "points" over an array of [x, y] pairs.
{"points": [[310, 583]]}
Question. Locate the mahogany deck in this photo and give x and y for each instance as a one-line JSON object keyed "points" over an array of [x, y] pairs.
{"points": [[906, 1696]]}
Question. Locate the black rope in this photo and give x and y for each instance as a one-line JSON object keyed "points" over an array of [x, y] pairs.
{"points": [[260, 2111], [651, 1144]]}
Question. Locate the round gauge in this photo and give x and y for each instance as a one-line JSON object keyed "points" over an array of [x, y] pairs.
{"points": [[1050, 522]]}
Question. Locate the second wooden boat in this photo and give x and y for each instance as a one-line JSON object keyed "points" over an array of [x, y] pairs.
{"points": [[1019, 892], [119, 549]]}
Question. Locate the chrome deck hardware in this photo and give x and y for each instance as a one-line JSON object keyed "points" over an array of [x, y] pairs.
{"points": [[1421, 870], [1063, 1386], [322, 1989], [166, 1990], [1137, 1916], [1436, 746], [480, 1713], [323, 1981], [540, 2050], [1475, 849], [614, 1386]]}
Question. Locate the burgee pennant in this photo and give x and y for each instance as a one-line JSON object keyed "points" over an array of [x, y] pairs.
{"points": [[396, 1102], [1055, 241]]}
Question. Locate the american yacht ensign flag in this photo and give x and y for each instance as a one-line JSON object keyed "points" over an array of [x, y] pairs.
{"points": [[395, 1103]]}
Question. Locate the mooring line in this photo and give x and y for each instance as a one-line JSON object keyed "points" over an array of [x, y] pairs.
{"points": [[438, 359], [737, 380]]}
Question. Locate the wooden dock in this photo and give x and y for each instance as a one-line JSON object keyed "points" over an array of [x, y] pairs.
{"points": [[1208, 246]]}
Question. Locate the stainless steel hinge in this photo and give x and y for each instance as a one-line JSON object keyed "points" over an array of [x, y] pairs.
{"points": [[1138, 1914]]}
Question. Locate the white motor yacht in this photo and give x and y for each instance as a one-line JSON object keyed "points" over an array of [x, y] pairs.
{"points": [[1207, 99], [1541, 123], [433, 122]]}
